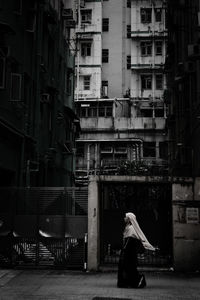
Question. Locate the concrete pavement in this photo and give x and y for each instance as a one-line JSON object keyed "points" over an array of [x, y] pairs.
{"points": [[62, 284]]}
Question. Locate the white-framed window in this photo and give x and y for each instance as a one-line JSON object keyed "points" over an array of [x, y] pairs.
{"points": [[145, 14], [146, 82], [86, 16], [2, 72], [159, 81], [86, 82], [146, 48], [158, 47], [86, 49], [16, 87]]}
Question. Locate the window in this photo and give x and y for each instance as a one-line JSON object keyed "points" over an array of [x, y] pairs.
{"points": [[80, 149], [149, 149], [2, 72], [145, 15], [159, 113], [159, 81], [92, 111], [158, 14], [86, 49], [105, 55], [129, 3], [16, 86], [128, 61], [146, 113], [128, 31], [146, 82], [105, 110], [146, 48], [163, 150], [104, 85], [105, 24], [30, 21], [86, 83], [158, 47], [86, 16]]}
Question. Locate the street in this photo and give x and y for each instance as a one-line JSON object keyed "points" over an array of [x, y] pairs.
{"points": [[63, 284]]}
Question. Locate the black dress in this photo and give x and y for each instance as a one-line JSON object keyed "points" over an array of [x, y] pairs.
{"points": [[128, 275]]}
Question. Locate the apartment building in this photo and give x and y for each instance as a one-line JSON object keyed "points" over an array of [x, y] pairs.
{"points": [[37, 119], [120, 83]]}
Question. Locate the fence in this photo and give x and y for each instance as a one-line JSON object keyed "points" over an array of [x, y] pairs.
{"points": [[43, 226]]}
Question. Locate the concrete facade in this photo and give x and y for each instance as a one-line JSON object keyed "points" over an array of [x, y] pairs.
{"points": [[120, 86], [185, 219]]}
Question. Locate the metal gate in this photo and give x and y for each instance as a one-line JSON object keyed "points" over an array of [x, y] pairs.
{"points": [[151, 203], [43, 226]]}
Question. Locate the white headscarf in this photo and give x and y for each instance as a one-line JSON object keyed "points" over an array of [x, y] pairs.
{"points": [[134, 230]]}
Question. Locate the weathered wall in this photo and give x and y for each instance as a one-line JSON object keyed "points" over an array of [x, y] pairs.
{"points": [[186, 224]]}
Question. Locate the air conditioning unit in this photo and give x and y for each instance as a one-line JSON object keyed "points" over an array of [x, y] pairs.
{"points": [[193, 50], [45, 98]]}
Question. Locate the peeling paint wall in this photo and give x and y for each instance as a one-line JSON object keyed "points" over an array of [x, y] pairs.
{"points": [[186, 224]]}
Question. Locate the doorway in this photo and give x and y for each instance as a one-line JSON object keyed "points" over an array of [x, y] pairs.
{"points": [[151, 203]]}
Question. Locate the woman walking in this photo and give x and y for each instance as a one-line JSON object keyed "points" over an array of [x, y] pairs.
{"points": [[134, 242]]}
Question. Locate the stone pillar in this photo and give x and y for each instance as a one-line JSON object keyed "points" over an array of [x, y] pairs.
{"points": [[93, 224]]}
